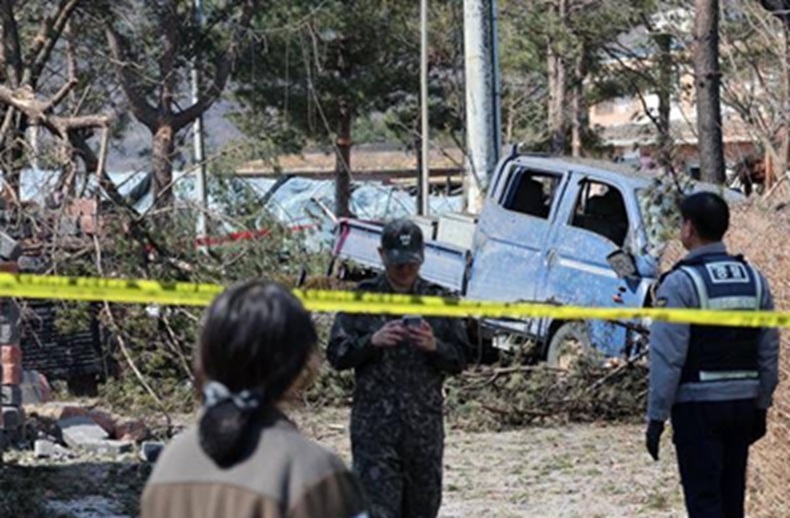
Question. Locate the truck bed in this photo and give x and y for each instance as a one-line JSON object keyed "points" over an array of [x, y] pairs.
{"points": [[445, 264]]}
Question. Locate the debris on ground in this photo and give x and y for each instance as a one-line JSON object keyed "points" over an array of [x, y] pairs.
{"points": [[78, 431], [502, 397], [512, 394]]}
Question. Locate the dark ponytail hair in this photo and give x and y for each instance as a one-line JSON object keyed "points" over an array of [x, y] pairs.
{"points": [[256, 340]]}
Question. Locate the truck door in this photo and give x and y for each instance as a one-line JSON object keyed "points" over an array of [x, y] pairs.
{"points": [[592, 222], [512, 235]]}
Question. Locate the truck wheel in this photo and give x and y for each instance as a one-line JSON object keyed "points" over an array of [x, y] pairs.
{"points": [[569, 343]]}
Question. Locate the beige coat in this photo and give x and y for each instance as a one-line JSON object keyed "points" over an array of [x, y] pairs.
{"points": [[286, 476]]}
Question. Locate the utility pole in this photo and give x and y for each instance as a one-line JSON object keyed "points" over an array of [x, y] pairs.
{"points": [[199, 154], [423, 207], [482, 98]]}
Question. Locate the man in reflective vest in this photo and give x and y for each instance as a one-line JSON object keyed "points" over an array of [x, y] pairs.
{"points": [[716, 382]]}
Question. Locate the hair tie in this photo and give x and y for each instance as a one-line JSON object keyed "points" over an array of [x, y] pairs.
{"points": [[215, 392]]}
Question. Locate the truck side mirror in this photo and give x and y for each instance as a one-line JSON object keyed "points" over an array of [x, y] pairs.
{"points": [[623, 264]]}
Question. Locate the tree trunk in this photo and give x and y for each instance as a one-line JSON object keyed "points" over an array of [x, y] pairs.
{"points": [[12, 154], [664, 140], [162, 165], [557, 119], [707, 79], [779, 166], [579, 106], [509, 122], [343, 162], [557, 91]]}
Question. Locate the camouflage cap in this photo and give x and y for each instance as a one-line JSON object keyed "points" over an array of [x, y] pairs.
{"points": [[402, 242]]}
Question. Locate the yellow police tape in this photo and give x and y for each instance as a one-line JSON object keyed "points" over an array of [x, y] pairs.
{"points": [[187, 294]]}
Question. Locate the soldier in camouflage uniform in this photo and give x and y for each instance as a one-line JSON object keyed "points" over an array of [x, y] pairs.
{"points": [[397, 428]]}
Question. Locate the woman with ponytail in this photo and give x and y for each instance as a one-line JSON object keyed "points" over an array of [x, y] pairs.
{"points": [[244, 458]]}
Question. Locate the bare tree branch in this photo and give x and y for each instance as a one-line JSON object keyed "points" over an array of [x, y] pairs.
{"points": [[223, 65], [12, 53], [120, 52], [167, 62], [60, 94], [47, 38]]}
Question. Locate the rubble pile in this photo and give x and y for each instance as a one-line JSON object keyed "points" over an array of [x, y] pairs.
{"points": [[63, 430]]}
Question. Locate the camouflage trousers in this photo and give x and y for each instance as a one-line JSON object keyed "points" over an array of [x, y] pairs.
{"points": [[401, 478]]}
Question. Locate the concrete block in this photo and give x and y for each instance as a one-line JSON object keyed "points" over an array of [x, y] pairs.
{"points": [[9, 322], [9, 332], [12, 374], [103, 419], [11, 395], [9, 248], [80, 430], [107, 447], [150, 450], [13, 418], [44, 448]]}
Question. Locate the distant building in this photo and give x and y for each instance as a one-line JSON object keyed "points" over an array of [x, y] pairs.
{"points": [[384, 163], [626, 128]]}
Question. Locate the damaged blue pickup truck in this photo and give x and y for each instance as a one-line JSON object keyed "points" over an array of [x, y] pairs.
{"points": [[551, 230]]}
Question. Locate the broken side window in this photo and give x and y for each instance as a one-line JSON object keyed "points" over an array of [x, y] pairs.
{"points": [[530, 192], [600, 208]]}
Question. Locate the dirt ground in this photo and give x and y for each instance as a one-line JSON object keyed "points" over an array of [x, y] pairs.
{"points": [[587, 470], [590, 470]]}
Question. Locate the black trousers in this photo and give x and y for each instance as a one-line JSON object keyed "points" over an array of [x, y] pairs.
{"points": [[712, 442]]}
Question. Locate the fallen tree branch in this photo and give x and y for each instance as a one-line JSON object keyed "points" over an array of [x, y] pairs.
{"points": [[130, 361], [173, 344], [515, 369]]}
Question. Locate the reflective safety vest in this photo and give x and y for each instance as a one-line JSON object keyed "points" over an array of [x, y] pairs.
{"points": [[719, 353]]}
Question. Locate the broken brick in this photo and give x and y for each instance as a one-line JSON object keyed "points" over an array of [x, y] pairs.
{"points": [[134, 430], [12, 374], [11, 354], [9, 267]]}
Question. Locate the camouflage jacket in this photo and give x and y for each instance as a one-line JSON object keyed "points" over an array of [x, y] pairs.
{"points": [[400, 383]]}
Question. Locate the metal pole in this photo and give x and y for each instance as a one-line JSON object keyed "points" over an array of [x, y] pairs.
{"points": [[481, 101], [423, 191], [199, 155], [496, 83]]}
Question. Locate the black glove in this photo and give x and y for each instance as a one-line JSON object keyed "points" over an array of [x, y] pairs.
{"points": [[653, 437], [760, 424]]}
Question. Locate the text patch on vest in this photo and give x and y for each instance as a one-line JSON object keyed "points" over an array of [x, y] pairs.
{"points": [[727, 272]]}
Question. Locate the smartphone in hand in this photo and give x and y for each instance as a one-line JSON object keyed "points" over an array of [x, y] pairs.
{"points": [[412, 320]]}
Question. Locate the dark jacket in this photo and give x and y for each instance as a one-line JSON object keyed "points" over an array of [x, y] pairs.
{"points": [[401, 385]]}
